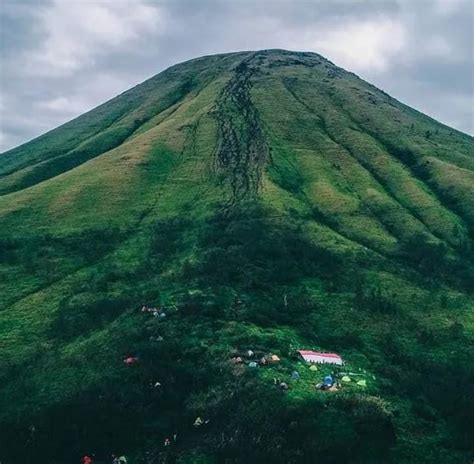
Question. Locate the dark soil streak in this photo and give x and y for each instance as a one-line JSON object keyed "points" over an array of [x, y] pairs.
{"points": [[242, 150]]}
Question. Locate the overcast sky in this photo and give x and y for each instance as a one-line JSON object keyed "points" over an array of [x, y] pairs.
{"points": [[60, 58]]}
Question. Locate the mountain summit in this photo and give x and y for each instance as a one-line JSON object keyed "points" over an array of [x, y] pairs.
{"points": [[165, 257]]}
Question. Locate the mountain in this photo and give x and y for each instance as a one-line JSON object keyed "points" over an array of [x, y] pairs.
{"points": [[266, 201]]}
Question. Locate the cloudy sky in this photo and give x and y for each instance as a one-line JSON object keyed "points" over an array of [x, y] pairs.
{"points": [[60, 58]]}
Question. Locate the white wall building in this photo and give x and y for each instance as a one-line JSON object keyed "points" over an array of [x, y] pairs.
{"points": [[320, 358]]}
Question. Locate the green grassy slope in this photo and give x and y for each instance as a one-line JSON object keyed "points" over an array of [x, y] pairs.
{"points": [[270, 201]]}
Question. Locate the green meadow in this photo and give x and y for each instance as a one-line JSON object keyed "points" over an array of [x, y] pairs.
{"points": [[267, 201]]}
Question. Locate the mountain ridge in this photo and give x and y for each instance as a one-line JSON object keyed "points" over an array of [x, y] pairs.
{"points": [[149, 82]]}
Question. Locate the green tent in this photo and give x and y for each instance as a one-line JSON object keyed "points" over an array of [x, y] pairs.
{"points": [[362, 383], [313, 367], [346, 378]]}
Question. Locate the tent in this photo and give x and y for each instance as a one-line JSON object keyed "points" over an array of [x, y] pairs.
{"points": [[295, 375], [320, 358], [253, 364], [362, 383], [328, 380], [346, 378], [272, 359], [131, 360], [313, 367]]}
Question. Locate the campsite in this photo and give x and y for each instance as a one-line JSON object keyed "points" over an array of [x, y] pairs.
{"points": [[303, 378]]}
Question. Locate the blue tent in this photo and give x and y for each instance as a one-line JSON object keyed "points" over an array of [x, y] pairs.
{"points": [[328, 380]]}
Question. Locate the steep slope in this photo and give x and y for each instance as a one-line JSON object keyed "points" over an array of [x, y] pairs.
{"points": [[271, 201]]}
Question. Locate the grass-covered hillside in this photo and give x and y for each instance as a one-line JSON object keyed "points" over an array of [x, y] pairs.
{"points": [[266, 201]]}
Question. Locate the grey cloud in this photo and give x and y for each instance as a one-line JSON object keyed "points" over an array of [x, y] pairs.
{"points": [[19, 28], [432, 70]]}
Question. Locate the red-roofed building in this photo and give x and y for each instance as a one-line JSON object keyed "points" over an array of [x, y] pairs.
{"points": [[320, 358]]}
